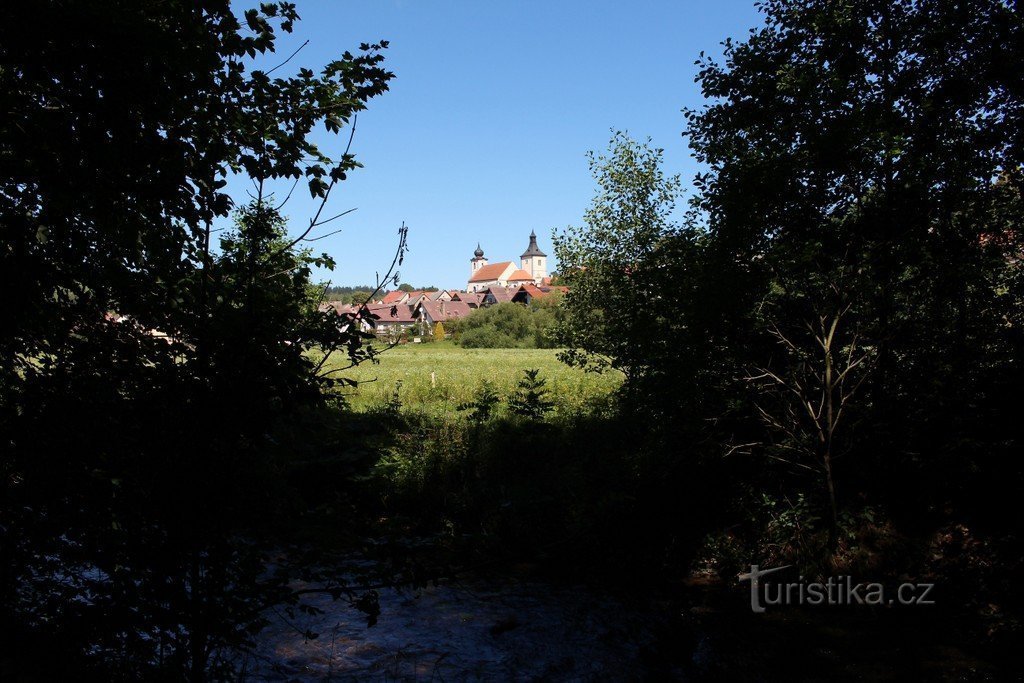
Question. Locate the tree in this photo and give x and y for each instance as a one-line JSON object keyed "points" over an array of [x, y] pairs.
{"points": [[506, 325], [546, 311], [485, 400], [807, 410], [606, 261], [336, 293], [438, 331], [161, 358], [634, 273], [359, 297], [845, 148], [531, 397]]}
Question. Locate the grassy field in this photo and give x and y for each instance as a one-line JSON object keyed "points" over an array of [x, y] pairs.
{"points": [[458, 372]]}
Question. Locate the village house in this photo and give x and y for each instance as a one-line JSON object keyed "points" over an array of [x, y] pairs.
{"points": [[521, 294], [473, 299], [385, 320], [402, 316], [431, 312], [415, 297], [527, 293], [400, 312], [498, 295]]}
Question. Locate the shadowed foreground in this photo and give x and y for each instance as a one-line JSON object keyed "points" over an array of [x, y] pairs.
{"points": [[479, 630]]}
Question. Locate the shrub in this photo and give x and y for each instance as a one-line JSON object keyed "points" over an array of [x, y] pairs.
{"points": [[488, 338], [485, 399], [509, 325], [531, 399]]}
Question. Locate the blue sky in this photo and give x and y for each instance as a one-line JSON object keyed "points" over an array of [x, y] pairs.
{"points": [[494, 105]]}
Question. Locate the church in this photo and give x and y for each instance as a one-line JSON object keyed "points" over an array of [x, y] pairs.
{"points": [[532, 269]]}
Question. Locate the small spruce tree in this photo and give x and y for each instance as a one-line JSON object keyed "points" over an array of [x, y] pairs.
{"points": [[485, 400], [531, 398]]}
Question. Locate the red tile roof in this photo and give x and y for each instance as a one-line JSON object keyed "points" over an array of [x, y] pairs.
{"points": [[533, 290], [446, 310], [471, 298], [393, 297], [339, 307], [393, 313], [499, 294], [520, 276], [491, 271]]}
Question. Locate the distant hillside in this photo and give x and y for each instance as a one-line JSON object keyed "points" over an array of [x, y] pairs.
{"points": [[345, 293], [336, 293], [360, 293]]}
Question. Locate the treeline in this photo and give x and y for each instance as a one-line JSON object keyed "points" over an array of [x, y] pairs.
{"points": [[352, 295], [361, 294]]}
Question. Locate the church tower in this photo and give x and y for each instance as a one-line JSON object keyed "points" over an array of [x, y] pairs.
{"points": [[478, 261], [535, 260]]}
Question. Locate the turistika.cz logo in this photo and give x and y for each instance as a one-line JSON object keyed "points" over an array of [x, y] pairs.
{"points": [[838, 590]]}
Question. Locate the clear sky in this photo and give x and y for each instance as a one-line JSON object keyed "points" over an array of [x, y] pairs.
{"points": [[494, 105]]}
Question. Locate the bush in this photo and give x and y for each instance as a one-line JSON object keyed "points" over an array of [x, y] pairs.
{"points": [[485, 399], [509, 325], [531, 399]]}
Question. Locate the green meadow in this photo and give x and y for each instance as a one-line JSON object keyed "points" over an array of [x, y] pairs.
{"points": [[457, 372]]}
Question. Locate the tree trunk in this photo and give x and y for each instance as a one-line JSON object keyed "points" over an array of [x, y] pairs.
{"points": [[833, 529]]}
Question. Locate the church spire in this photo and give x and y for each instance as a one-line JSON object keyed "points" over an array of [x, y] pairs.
{"points": [[533, 249]]}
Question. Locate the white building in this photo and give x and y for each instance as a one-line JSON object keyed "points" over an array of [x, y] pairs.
{"points": [[484, 275], [535, 261]]}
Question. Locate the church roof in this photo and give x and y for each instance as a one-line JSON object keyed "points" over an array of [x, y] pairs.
{"points": [[520, 276], [533, 249], [491, 271]]}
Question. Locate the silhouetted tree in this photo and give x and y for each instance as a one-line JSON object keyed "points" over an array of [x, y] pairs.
{"points": [[132, 534], [856, 167]]}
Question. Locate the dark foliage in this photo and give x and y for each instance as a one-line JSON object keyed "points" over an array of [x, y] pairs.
{"points": [[531, 397], [838, 314], [485, 400], [147, 381]]}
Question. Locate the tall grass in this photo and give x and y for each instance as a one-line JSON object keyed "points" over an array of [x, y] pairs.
{"points": [[587, 489], [457, 372]]}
